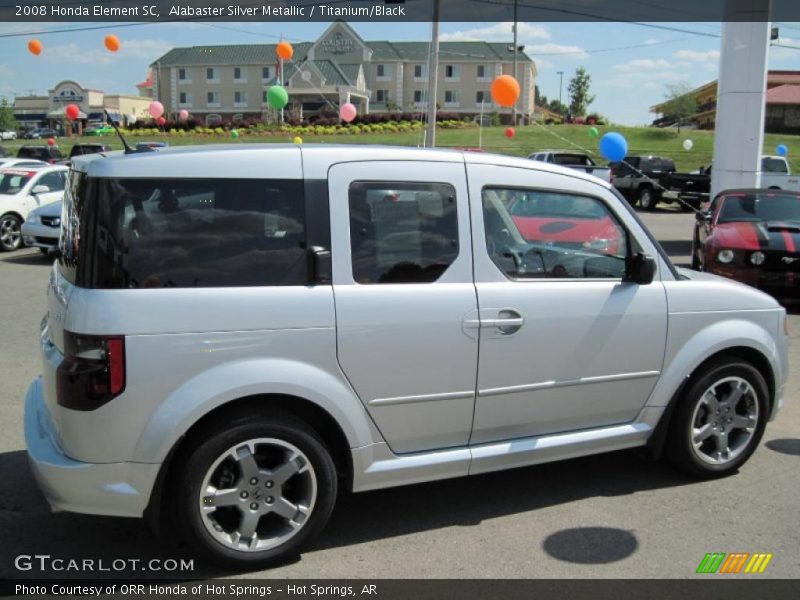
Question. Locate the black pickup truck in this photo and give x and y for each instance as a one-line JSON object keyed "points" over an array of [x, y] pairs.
{"points": [[649, 180]]}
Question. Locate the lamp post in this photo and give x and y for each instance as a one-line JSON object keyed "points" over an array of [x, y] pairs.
{"points": [[560, 84]]}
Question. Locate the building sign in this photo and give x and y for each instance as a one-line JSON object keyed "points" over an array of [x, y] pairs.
{"points": [[337, 44], [67, 96]]}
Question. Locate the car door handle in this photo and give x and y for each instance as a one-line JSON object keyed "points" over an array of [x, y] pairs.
{"points": [[507, 322]]}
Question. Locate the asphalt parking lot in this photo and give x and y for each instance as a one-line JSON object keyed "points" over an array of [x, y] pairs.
{"points": [[609, 516]]}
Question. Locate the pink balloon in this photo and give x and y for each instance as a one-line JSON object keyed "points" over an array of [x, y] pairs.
{"points": [[156, 109], [183, 115], [347, 112]]}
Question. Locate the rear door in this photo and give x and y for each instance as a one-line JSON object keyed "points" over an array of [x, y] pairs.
{"points": [[403, 286]]}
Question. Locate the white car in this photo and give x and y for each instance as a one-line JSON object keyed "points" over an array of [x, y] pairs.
{"points": [[776, 174], [21, 190], [42, 227], [8, 135], [19, 163]]}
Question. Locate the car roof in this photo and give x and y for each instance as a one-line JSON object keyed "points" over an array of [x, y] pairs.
{"points": [[766, 191], [34, 168], [291, 161]]}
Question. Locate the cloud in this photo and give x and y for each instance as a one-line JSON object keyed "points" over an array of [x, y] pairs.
{"points": [[551, 49], [651, 41], [642, 65], [777, 53], [695, 56], [146, 50], [5, 71], [498, 32]]}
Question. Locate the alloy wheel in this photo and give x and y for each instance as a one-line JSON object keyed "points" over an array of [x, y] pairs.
{"points": [[10, 235]]}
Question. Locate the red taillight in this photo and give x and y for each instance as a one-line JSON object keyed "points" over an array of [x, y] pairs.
{"points": [[92, 372]]}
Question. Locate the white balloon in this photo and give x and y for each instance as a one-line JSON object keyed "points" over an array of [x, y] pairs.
{"points": [[688, 144]]}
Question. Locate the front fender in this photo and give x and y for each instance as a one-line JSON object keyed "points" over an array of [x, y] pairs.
{"points": [[692, 339], [230, 381]]}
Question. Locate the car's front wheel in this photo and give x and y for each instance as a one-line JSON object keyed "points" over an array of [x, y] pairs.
{"points": [[647, 199], [10, 234], [254, 491], [720, 420]]}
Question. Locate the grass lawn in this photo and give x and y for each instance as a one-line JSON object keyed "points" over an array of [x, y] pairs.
{"points": [[641, 140]]}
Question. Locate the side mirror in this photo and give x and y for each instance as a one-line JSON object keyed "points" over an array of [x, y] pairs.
{"points": [[703, 216], [40, 189], [641, 269], [320, 269]]}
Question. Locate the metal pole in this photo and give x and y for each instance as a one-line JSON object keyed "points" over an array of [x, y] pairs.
{"points": [[480, 128], [560, 84], [280, 81], [514, 68], [433, 75]]}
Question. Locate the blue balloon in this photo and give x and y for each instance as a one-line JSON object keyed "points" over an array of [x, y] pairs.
{"points": [[613, 146], [782, 149]]}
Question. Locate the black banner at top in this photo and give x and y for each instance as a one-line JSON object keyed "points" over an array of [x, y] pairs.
{"points": [[400, 10]]}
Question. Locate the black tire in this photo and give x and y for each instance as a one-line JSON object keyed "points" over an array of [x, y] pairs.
{"points": [[680, 449], [10, 234], [44, 251], [647, 199], [210, 444]]}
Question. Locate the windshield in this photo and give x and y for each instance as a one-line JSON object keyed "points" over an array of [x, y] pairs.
{"points": [[773, 165], [12, 182], [544, 205], [760, 207]]}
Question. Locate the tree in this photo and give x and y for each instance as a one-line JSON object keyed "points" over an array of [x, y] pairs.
{"points": [[558, 107], [7, 120], [680, 102], [579, 96]]}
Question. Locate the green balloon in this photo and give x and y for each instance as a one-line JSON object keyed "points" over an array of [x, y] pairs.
{"points": [[277, 97], [234, 133], [593, 131]]}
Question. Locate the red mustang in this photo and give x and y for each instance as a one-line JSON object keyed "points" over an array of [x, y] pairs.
{"points": [[581, 223], [752, 236]]}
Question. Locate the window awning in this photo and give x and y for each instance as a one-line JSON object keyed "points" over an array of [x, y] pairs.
{"points": [[60, 113]]}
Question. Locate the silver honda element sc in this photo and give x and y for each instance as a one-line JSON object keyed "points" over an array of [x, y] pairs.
{"points": [[234, 334]]}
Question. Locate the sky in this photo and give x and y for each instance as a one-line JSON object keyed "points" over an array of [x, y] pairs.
{"points": [[630, 64]]}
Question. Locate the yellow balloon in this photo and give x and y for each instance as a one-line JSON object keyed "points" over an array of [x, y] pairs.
{"points": [[297, 140]]}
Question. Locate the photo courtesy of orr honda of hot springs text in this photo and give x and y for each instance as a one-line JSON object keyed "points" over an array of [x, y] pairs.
{"points": [[234, 335]]}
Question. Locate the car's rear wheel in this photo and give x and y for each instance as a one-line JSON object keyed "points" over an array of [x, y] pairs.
{"points": [[647, 199], [720, 420], [10, 234], [254, 491]]}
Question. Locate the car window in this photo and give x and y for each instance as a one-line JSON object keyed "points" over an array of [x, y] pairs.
{"points": [[563, 235], [154, 233], [53, 180], [572, 159], [12, 182], [402, 232], [760, 207], [773, 165]]}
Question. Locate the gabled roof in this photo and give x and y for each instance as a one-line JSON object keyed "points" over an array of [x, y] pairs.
{"points": [[784, 94]]}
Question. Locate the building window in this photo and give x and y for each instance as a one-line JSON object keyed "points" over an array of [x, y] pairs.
{"points": [[420, 72], [185, 99], [239, 75], [402, 232], [381, 96], [452, 72], [266, 74], [450, 98], [483, 73], [212, 99], [239, 99], [212, 76], [419, 96], [382, 73], [482, 97], [183, 76]]}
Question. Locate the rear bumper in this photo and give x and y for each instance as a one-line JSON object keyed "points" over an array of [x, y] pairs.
{"points": [[114, 489]]}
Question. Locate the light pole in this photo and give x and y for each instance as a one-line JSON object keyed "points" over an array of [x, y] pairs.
{"points": [[433, 73], [514, 108], [560, 84]]}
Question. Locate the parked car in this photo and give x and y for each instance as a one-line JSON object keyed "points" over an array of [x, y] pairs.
{"points": [[8, 135], [776, 174], [574, 160], [198, 371], [99, 130], [42, 227], [752, 236], [638, 178], [151, 145], [22, 190], [20, 162], [41, 133], [81, 149], [48, 154]]}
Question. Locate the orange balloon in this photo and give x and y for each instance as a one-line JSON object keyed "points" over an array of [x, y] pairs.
{"points": [[112, 42], [35, 47], [284, 50], [505, 90]]}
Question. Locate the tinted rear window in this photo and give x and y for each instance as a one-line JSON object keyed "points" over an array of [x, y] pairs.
{"points": [[572, 159], [145, 233]]}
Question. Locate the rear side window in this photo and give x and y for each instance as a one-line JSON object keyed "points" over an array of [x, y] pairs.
{"points": [[402, 232], [147, 233]]}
